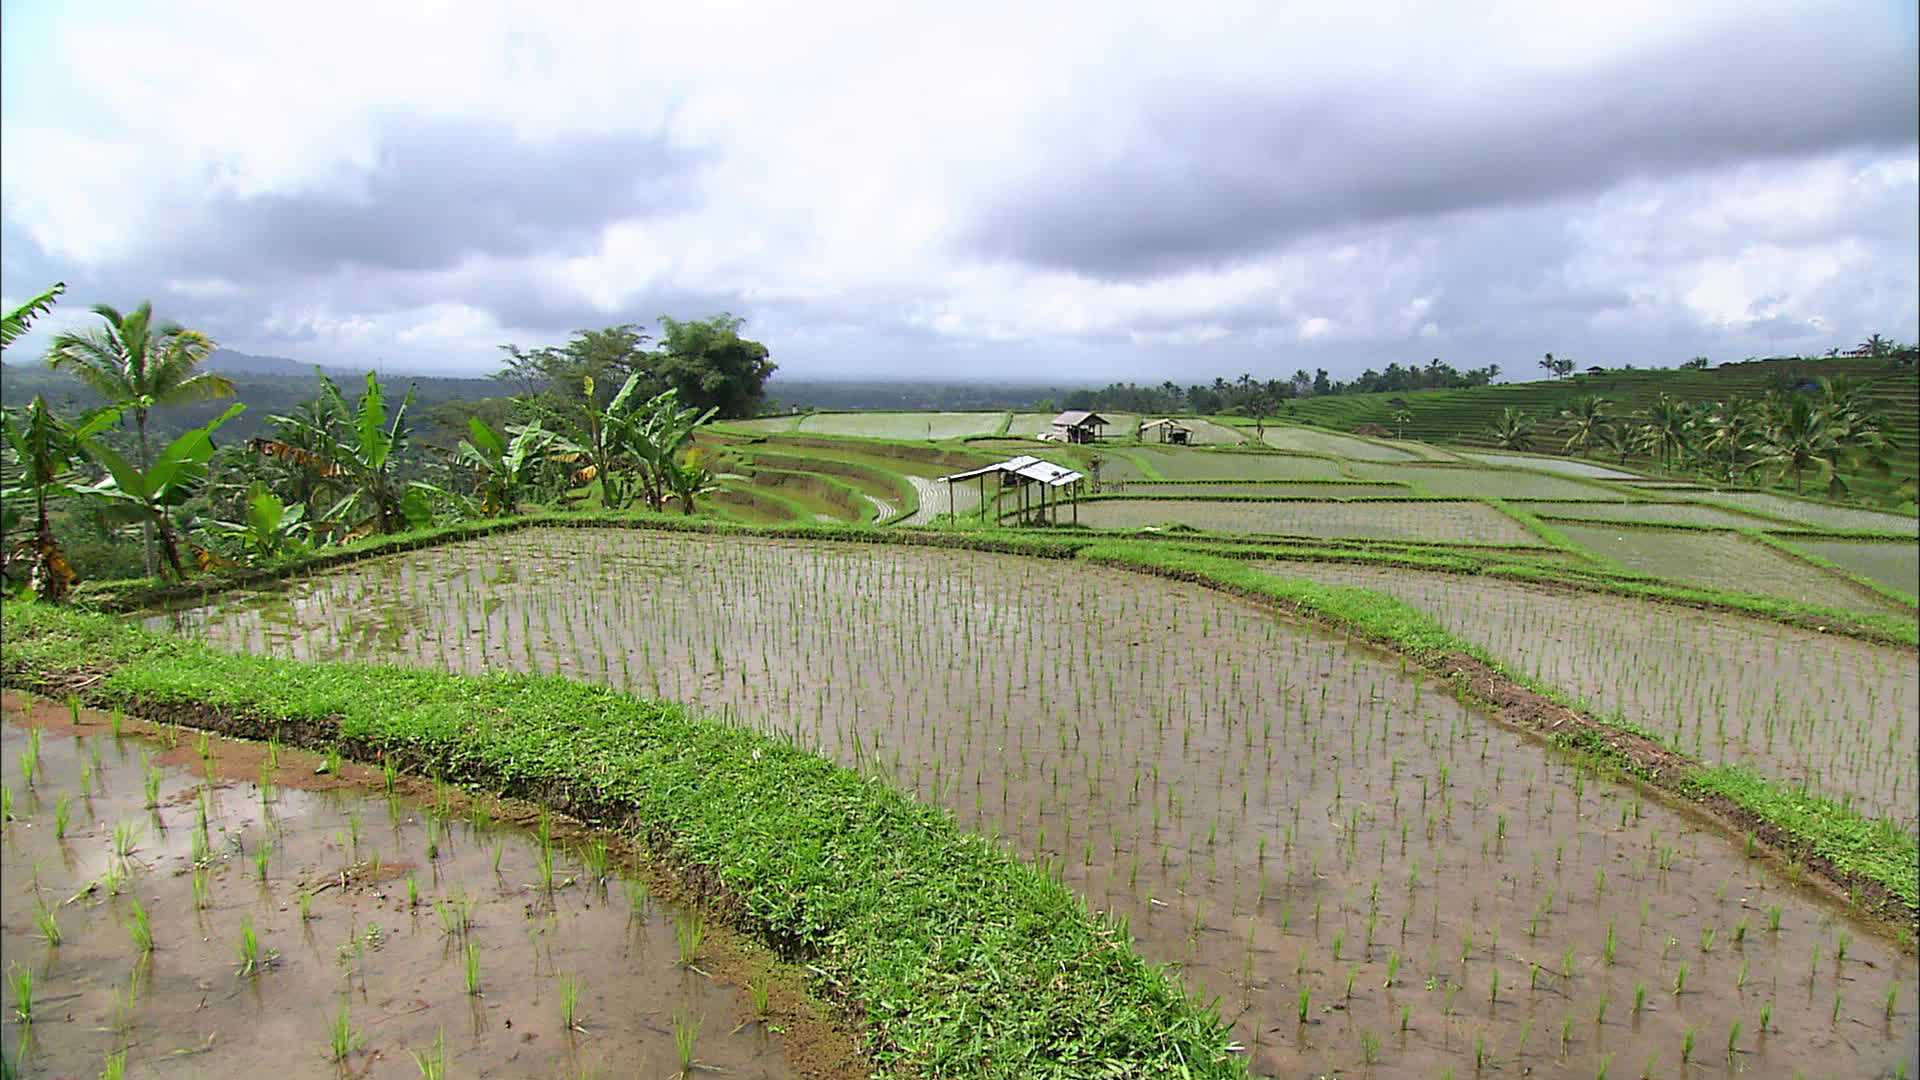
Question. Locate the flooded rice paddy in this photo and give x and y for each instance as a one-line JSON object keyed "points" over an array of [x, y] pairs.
{"points": [[1728, 561], [1833, 713], [245, 915], [1361, 868], [1437, 522]]}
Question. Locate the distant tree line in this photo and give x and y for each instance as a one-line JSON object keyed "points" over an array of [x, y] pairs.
{"points": [[1250, 396]]}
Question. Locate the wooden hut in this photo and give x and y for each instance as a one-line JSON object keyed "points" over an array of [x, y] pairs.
{"points": [[1078, 426], [1168, 430]]}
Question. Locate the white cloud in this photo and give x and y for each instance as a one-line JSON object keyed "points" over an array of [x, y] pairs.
{"points": [[832, 163]]}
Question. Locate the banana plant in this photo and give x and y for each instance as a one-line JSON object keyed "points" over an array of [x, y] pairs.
{"points": [[40, 450], [363, 458], [662, 429], [502, 467], [270, 528], [690, 478], [147, 496]]}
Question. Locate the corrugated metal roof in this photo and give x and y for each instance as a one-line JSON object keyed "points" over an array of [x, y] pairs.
{"points": [[1027, 467]]}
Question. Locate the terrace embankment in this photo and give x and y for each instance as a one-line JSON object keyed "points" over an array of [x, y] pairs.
{"points": [[1313, 831]]}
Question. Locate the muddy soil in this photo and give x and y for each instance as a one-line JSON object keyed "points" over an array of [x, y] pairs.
{"points": [[1272, 808], [364, 943], [1833, 713]]}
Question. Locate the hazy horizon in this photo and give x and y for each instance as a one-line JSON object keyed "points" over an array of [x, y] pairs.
{"points": [[1061, 197]]}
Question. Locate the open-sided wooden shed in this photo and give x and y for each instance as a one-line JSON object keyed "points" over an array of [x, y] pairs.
{"points": [[1042, 486]]}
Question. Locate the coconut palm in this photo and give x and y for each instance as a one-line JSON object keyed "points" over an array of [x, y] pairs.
{"points": [[1665, 427], [1729, 429], [137, 364], [1513, 431], [1798, 437], [1590, 423], [17, 321]]}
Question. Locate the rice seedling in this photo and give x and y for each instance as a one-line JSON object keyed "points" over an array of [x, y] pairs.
{"points": [[48, 925], [115, 1067], [758, 995], [569, 1003], [126, 836], [686, 1034], [342, 1039], [432, 1062], [62, 814], [1686, 1046], [306, 905], [20, 980], [689, 933], [250, 958], [472, 969], [30, 757], [140, 927]]}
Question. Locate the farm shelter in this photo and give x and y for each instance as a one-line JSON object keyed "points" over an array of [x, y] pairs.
{"points": [[1078, 426], [1168, 430], [1030, 476]]}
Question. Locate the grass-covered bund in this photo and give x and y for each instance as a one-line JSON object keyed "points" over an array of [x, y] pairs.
{"points": [[954, 957]]}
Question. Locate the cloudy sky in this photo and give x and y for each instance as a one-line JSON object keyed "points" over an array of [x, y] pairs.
{"points": [[1059, 191]]}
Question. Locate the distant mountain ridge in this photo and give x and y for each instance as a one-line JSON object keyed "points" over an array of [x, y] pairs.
{"points": [[234, 362]]}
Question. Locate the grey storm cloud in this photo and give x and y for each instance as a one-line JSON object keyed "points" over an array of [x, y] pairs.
{"points": [[442, 190], [1216, 173]]}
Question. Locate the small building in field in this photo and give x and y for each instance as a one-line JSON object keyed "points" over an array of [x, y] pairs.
{"points": [[1078, 426], [1041, 486], [1168, 430]]}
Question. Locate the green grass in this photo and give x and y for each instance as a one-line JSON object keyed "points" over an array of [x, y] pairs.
{"points": [[961, 959]]}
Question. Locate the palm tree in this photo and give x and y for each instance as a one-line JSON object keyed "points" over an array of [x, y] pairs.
{"points": [[137, 365], [21, 318], [1514, 430], [1800, 436], [1664, 432], [1591, 421], [1730, 428]]}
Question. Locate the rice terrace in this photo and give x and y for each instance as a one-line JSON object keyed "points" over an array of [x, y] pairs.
{"points": [[1089, 541], [929, 748]]}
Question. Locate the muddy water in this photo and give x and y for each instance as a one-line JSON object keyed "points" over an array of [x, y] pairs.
{"points": [[1272, 809], [393, 965], [1832, 713]]}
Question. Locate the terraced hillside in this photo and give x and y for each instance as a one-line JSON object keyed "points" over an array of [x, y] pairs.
{"points": [[1462, 417]]}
